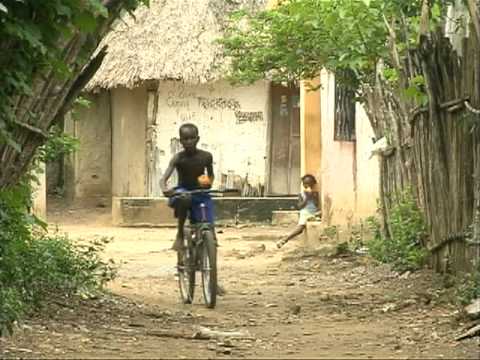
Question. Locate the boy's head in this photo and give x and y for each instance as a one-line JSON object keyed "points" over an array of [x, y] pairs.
{"points": [[308, 181], [189, 137]]}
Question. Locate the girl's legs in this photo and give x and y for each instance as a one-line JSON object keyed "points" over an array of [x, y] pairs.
{"points": [[295, 232]]}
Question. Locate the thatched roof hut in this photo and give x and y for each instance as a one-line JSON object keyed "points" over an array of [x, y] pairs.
{"points": [[170, 39]]}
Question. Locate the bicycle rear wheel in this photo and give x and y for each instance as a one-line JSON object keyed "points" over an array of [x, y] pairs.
{"points": [[186, 272], [209, 268]]}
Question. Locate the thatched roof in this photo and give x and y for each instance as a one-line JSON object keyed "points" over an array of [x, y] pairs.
{"points": [[171, 39]]}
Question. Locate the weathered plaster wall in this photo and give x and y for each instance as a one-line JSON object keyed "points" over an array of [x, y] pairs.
{"points": [[368, 171], [88, 172], [349, 176], [129, 114], [232, 122]]}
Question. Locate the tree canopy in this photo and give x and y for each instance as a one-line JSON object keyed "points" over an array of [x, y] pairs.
{"points": [[300, 37]]}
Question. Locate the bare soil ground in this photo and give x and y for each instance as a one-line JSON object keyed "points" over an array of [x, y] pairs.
{"points": [[289, 303]]}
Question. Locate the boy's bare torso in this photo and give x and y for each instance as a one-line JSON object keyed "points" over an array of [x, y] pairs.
{"points": [[190, 166]]}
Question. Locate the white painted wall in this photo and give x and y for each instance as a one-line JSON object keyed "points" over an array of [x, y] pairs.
{"points": [[368, 167], [232, 122]]}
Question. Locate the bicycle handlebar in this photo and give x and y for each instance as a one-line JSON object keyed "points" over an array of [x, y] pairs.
{"points": [[202, 191]]}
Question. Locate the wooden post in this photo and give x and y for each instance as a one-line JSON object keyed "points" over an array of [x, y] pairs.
{"points": [[474, 13], [40, 194], [151, 178], [310, 128]]}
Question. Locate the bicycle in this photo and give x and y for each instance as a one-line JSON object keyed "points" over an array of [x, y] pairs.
{"points": [[200, 254]]}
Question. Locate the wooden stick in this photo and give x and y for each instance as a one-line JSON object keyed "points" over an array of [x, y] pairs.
{"points": [[168, 334], [474, 331], [206, 333], [473, 9]]}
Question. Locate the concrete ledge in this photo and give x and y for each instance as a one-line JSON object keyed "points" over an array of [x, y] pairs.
{"points": [[149, 211], [312, 235], [141, 211], [285, 217]]}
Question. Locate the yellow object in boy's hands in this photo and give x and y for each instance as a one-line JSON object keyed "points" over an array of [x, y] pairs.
{"points": [[204, 181]]}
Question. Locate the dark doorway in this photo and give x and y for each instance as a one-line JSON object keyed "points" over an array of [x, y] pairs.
{"points": [[285, 141]]}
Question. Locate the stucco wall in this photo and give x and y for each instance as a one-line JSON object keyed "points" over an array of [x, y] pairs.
{"points": [[368, 171], [232, 122], [88, 172], [349, 176], [129, 114]]}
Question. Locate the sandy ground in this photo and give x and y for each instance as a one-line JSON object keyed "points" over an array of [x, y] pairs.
{"points": [[288, 303]]}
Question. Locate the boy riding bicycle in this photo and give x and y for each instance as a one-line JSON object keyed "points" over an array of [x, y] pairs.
{"points": [[191, 164]]}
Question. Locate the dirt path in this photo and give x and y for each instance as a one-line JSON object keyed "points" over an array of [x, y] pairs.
{"points": [[288, 304]]}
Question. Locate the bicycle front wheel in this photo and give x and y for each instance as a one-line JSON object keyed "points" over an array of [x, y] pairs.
{"points": [[186, 268], [209, 268]]}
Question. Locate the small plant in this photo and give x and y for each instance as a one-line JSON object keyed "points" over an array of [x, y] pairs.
{"points": [[58, 144], [468, 286], [330, 232], [403, 247], [342, 248], [36, 266], [356, 238]]}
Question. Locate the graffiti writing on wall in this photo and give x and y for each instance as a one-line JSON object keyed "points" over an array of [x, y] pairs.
{"points": [[187, 116], [179, 98], [248, 116], [173, 101], [218, 103]]}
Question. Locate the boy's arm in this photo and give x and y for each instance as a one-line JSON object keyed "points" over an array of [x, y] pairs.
{"points": [[302, 201], [209, 167], [316, 199], [166, 176]]}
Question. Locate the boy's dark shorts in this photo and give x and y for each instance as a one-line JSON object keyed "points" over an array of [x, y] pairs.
{"points": [[195, 210]]}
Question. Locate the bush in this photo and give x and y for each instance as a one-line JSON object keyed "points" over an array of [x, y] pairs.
{"points": [[403, 248], [468, 286], [36, 266]]}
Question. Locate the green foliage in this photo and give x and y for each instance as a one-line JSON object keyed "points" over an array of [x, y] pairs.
{"points": [[79, 104], [416, 90], [403, 247], [330, 232], [300, 37], [36, 266], [58, 144], [468, 286], [391, 75]]}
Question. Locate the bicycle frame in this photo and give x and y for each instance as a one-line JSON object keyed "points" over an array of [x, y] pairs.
{"points": [[203, 224], [200, 255]]}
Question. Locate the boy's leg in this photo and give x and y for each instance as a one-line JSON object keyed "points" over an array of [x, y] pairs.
{"points": [[210, 217], [295, 232], [178, 244], [181, 212], [209, 208]]}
